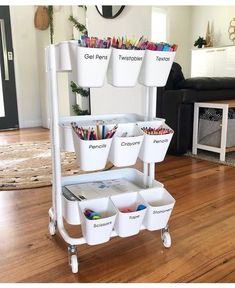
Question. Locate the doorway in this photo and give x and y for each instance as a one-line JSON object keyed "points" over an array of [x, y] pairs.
{"points": [[8, 101]]}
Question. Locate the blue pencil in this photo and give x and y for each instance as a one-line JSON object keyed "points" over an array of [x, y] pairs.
{"points": [[103, 131]]}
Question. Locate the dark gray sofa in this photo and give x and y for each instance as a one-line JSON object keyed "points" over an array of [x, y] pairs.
{"points": [[175, 103]]}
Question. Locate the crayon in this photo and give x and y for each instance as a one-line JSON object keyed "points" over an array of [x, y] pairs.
{"points": [[156, 131]]}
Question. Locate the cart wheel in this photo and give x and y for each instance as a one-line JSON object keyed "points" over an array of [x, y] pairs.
{"points": [[51, 214], [166, 239], [52, 228], [74, 263]]}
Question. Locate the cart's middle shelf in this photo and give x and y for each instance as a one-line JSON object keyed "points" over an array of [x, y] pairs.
{"points": [[118, 138]]}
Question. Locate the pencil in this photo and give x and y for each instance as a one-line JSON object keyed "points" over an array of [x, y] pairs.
{"points": [[103, 131], [89, 134], [97, 130]]}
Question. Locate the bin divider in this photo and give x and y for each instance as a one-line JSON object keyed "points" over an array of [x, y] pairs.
{"points": [[145, 171]]}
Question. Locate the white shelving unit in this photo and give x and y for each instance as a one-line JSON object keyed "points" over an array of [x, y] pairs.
{"points": [[58, 59]]}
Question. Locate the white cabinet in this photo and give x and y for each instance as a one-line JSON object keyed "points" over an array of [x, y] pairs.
{"points": [[213, 62], [230, 61], [220, 62]]}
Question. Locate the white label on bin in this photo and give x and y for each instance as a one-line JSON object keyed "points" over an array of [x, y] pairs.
{"points": [[95, 56], [97, 146], [102, 224], [130, 58], [130, 143], [162, 211], [134, 217], [160, 141], [158, 58]]}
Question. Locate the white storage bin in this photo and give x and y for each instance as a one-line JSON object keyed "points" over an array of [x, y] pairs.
{"points": [[156, 68], [66, 137], [209, 133], [154, 147], [128, 224], [97, 231], [70, 210], [125, 150], [135, 178], [91, 155], [63, 62], [89, 64], [159, 208], [124, 67]]}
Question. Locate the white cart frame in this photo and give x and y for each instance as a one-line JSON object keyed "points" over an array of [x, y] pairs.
{"points": [[55, 212]]}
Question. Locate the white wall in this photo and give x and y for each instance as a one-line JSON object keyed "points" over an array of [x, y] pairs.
{"points": [[179, 32], [62, 31], [42, 40], [29, 44], [219, 16], [134, 21], [26, 65]]}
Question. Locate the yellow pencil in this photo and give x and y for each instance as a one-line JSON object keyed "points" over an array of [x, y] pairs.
{"points": [[98, 131]]}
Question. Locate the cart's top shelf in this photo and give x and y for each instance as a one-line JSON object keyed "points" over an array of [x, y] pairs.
{"points": [[124, 68]]}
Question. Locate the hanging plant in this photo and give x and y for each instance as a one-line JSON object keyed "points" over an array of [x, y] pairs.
{"points": [[75, 88], [78, 111], [79, 90], [51, 24], [77, 25]]}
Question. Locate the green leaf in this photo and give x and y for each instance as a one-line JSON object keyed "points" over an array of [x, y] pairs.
{"points": [[78, 111], [51, 24], [77, 25], [79, 90]]}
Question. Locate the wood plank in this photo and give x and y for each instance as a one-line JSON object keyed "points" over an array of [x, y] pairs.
{"points": [[230, 149], [202, 229], [231, 103]]}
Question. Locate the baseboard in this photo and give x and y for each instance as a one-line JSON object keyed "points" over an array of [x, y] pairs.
{"points": [[29, 124]]}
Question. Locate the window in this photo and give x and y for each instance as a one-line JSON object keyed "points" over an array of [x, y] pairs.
{"points": [[159, 25]]}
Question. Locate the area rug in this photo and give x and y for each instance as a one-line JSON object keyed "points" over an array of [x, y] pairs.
{"points": [[214, 157], [28, 165]]}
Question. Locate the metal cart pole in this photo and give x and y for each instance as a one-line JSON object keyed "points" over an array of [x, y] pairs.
{"points": [[57, 217], [150, 113]]}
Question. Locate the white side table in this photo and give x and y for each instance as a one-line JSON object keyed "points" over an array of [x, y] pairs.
{"points": [[224, 105]]}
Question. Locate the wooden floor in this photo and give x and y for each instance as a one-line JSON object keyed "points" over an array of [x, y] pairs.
{"points": [[202, 228]]}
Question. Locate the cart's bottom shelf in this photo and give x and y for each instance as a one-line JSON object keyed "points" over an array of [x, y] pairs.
{"points": [[114, 203]]}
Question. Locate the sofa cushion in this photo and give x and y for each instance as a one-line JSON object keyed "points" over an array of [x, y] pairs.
{"points": [[175, 97], [175, 78], [208, 83]]}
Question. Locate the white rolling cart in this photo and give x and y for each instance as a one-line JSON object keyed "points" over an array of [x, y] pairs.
{"points": [[140, 188]]}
